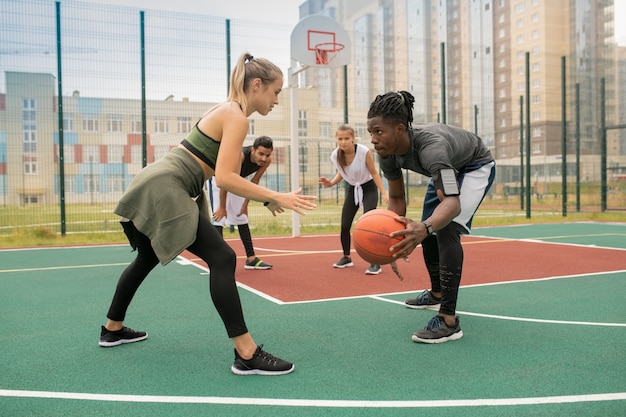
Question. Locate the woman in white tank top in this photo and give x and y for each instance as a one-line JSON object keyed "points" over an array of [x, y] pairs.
{"points": [[355, 165]]}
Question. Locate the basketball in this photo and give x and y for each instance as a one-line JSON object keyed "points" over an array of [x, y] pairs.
{"points": [[371, 235]]}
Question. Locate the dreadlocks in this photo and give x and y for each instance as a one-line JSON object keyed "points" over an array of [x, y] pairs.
{"points": [[394, 106]]}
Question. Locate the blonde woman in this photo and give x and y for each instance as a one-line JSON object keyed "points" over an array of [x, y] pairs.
{"points": [[355, 164], [164, 212]]}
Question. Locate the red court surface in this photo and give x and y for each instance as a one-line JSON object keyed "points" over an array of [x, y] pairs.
{"points": [[303, 266]]}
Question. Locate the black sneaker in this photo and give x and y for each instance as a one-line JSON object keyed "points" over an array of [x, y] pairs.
{"points": [[423, 300], [373, 270], [344, 262], [110, 338], [261, 363], [256, 263], [437, 331]]}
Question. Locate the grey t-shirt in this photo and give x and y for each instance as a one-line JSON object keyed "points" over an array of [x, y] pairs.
{"points": [[434, 147]]}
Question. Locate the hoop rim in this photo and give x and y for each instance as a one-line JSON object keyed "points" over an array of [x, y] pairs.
{"points": [[326, 47]]}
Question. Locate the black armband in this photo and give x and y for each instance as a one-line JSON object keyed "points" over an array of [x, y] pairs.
{"points": [[446, 182], [267, 203]]}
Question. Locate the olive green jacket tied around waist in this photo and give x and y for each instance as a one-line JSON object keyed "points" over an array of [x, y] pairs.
{"points": [[164, 202]]}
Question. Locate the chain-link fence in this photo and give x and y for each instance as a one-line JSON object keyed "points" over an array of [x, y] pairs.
{"points": [[114, 88]]}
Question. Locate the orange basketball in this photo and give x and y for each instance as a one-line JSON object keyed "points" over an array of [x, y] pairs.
{"points": [[371, 235]]}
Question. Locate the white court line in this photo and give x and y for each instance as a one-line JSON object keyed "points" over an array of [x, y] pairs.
{"points": [[512, 318], [616, 396]]}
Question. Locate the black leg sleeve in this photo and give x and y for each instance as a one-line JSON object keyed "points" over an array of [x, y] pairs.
{"points": [[450, 266], [246, 239], [430, 250]]}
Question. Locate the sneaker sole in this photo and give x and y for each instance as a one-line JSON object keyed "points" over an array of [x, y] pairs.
{"points": [[350, 265], [238, 371], [373, 273], [453, 336], [258, 267], [430, 307], [122, 341]]}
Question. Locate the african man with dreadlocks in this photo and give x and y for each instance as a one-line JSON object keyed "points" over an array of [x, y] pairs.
{"points": [[461, 169]]}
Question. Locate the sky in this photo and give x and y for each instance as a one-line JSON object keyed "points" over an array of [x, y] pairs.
{"points": [[283, 11]]}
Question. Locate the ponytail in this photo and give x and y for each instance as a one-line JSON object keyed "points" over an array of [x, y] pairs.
{"points": [[247, 69]]}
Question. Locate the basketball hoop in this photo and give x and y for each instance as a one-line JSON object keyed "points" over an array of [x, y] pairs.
{"points": [[327, 51]]}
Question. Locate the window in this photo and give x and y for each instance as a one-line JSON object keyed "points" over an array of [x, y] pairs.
{"points": [[90, 123], [29, 124], [534, 34], [68, 122], [252, 128], [115, 183], [536, 83], [502, 108], [136, 125], [68, 154], [136, 154], [160, 124], [70, 184], [92, 153], [503, 138], [30, 199], [360, 130], [304, 159], [536, 115], [115, 154], [115, 123], [30, 141], [536, 132], [520, 7], [534, 18], [536, 148], [536, 99], [520, 39], [302, 123], [535, 67], [184, 124], [326, 130], [30, 164], [92, 184]]}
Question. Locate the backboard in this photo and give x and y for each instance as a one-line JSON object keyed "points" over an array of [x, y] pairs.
{"points": [[320, 41]]}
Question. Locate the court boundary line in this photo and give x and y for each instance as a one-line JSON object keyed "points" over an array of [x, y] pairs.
{"points": [[513, 318], [561, 399]]}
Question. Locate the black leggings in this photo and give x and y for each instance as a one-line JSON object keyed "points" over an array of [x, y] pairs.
{"points": [[350, 208], [443, 256], [208, 246]]}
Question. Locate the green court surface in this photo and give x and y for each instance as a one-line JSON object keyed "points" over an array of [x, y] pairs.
{"points": [[535, 347]]}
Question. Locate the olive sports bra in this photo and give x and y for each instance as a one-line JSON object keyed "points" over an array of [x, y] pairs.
{"points": [[202, 146]]}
